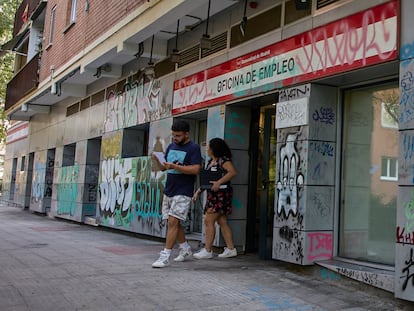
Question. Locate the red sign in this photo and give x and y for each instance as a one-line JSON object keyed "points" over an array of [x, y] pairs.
{"points": [[362, 39]]}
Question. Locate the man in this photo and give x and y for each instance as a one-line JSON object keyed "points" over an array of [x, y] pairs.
{"points": [[183, 162]]}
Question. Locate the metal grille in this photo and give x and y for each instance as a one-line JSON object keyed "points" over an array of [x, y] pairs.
{"points": [[218, 43], [98, 98], [85, 103], [72, 109], [322, 3], [189, 55]]}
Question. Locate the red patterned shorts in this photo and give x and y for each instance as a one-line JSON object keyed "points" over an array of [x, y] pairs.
{"points": [[220, 201]]}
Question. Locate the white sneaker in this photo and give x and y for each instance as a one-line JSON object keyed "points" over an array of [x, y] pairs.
{"points": [[183, 254], [203, 254], [163, 261], [228, 253]]}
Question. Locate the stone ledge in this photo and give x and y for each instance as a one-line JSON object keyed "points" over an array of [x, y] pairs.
{"points": [[377, 277]]}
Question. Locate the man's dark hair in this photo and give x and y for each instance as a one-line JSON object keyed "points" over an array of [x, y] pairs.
{"points": [[180, 126]]}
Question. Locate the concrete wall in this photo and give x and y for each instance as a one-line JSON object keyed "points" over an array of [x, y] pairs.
{"points": [[305, 174]]}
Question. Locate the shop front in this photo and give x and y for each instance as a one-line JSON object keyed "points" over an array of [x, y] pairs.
{"points": [[322, 154]]}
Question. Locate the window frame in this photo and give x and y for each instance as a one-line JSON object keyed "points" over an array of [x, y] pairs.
{"points": [[388, 168], [73, 11], [52, 25]]}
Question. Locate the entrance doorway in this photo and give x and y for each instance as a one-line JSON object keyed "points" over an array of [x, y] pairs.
{"points": [[262, 182]]}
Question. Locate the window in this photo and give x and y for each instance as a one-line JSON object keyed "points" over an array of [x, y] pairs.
{"points": [[52, 24], [389, 168], [134, 141], [389, 115], [69, 152], [23, 163], [370, 162], [73, 11]]}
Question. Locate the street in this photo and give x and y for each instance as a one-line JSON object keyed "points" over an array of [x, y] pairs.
{"points": [[51, 264]]}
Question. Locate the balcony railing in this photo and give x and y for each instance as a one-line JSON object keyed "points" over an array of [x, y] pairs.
{"points": [[23, 82]]}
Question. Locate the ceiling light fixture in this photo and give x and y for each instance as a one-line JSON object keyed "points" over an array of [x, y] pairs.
{"points": [[205, 42], [175, 56]]}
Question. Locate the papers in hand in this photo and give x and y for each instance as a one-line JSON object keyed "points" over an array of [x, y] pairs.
{"points": [[160, 156]]}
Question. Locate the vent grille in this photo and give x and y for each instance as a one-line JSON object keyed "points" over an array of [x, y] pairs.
{"points": [[85, 103], [322, 3], [189, 55], [72, 109], [218, 43], [98, 98]]}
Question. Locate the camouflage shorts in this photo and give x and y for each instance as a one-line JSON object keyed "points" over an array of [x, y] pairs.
{"points": [[176, 206]]}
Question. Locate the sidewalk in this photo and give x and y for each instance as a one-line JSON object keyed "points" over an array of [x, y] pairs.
{"points": [[49, 264]]}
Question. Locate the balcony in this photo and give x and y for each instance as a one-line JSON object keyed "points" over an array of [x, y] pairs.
{"points": [[25, 81], [24, 13]]}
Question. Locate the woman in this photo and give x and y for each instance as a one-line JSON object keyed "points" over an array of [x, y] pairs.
{"points": [[219, 199]]}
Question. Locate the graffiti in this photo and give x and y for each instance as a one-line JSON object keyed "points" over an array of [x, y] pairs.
{"points": [[408, 274], [235, 127], [294, 93], [286, 233], [324, 115], [289, 251], [148, 196], [38, 185], [92, 192], [407, 51], [131, 195], [409, 213], [326, 50], [406, 92], [49, 177], [323, 148], [116, 186], [364, 38], [67, 190], [290, 180], [317, 171], [404, 237], [111, 145], [194, 93], [139, 102], [330, 275], [292, 113], [370, 278], [319, 206], [407, 149], [320, 246], [215, 125]]}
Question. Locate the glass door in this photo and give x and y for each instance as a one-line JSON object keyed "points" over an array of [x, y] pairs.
{"points": [[266, 173]]}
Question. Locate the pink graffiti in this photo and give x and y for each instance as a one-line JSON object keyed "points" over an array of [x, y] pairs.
{"points": [[344, 46], [137, 103], [320, 246], [193, 93]]}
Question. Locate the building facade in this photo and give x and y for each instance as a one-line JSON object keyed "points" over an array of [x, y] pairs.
{"points": [[313, 97]]}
